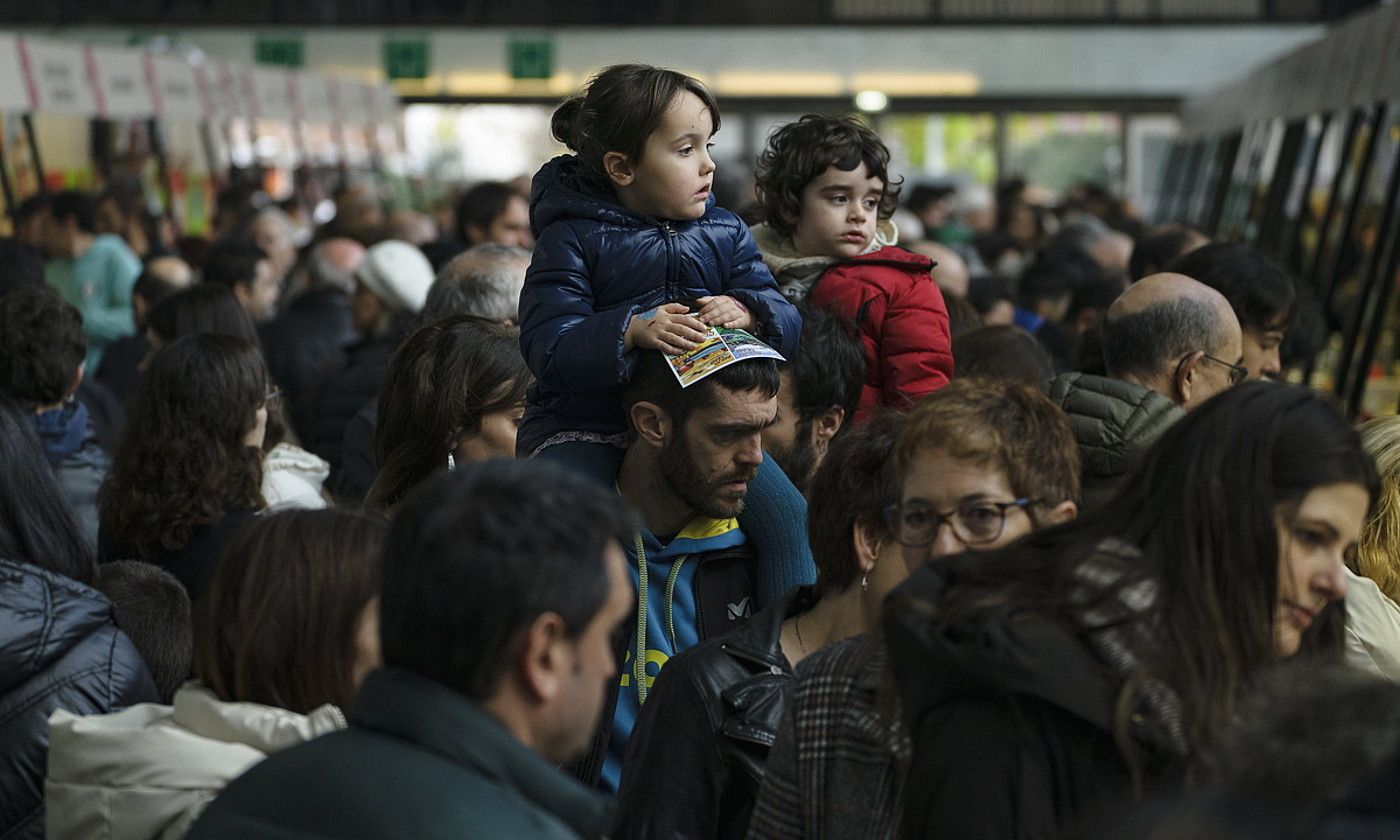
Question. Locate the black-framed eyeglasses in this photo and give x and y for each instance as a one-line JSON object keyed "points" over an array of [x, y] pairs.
{"points": [[974, 524], [1238, 373]]}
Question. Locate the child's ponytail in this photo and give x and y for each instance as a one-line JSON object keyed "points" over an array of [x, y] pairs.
{"points": [[618, 111], [564, 124]]}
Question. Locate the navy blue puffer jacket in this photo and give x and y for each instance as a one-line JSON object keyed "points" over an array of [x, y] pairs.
{"points": [[597, 264], [59, 649]]}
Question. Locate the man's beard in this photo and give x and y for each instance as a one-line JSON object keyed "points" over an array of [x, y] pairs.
{"points": [[686, 481], [798, 461]]}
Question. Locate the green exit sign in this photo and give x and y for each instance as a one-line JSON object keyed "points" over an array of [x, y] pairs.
{"points": [[406, 59], [282, 52], [531, 58]]}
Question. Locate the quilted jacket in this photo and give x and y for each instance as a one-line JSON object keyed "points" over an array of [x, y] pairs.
{"points": [[59, 649], [1114, 422], [596, 264]]}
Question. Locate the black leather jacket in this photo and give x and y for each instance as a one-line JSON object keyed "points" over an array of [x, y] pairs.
{"points": [[699, 749]]}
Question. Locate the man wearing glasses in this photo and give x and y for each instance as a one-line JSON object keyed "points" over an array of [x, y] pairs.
{"points": [[1170, 343]]}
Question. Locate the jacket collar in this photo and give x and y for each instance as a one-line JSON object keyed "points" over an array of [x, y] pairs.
{"points": [[436, 718], [62, 431], [760, 638]]}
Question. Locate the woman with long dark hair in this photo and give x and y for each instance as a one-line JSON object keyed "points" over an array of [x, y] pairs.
{"points": [[454, 393], [189, 468], [1091, 661], [37, 525]]}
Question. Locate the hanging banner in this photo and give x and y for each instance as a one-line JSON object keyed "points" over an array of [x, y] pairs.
{"points": [[176, 88], [120, 85], [59, 76], [273, 94], [14, 81], [315, 101]]}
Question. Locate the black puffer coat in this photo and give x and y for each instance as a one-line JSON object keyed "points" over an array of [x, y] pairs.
{"points": [[59, 649]]}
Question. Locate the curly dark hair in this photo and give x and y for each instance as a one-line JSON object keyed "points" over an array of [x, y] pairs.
{"points": [[800, 151], [41, 346], [182, 461]]}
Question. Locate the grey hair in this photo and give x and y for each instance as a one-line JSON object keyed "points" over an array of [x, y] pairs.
{"points": [[484, 281], [1144, 342], [324, 274]]}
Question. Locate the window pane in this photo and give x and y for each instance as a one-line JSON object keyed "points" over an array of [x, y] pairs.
{"points": [[957, 147], [1058, 150]]}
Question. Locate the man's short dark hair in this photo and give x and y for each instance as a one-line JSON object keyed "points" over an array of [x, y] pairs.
{"points": [[481, 205], [21, 266], [29, 208], [233, 262], [1143, 342], [153, 288], [41, 346], [1060, 269], [1159, 248], [856, 481], [800, 151], [654, 382], [475, 556], [1001, 352], [77, 204], [153, 608], [921, 196], [828, 368], [1258, 290]]}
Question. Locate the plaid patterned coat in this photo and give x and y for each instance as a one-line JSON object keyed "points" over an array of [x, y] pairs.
{"points": [[838, 766]]}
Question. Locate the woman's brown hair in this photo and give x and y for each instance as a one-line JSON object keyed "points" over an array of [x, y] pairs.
{"points": [[280, 620], [183, 460]]}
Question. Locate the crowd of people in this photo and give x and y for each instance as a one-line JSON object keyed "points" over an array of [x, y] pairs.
{"points": [[613, 510]]}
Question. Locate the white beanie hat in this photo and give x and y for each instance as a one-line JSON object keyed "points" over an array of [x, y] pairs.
{"points": [[398, 274]]}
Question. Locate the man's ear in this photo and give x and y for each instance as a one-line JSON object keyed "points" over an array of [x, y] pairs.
{"points": [[651, 422], [825, 426], [1184, 378], [544, 661], [244, 293], [619, 169], [1061, 513], [77, 380]]}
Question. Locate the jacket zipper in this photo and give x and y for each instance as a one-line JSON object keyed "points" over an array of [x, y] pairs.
{"points": [[672, 281]]}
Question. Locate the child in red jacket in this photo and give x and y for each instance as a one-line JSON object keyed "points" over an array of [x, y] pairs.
{"points": [[827, 198]]}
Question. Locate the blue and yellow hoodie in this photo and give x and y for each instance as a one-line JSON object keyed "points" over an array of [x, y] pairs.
{"points": [[695, 586]]}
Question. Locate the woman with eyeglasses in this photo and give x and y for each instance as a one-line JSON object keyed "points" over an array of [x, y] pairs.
{"points": [[188, 472], [1046, 682], [976, 466]]}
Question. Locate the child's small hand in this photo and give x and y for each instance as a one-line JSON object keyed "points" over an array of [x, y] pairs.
{"points": [[670, 329], [725, 311]]}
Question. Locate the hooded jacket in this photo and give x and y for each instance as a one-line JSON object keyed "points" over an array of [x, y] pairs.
{"points": [[700, 746], [1115, 422], [697, 586], [596, 264], [150, 770], [893, 301], [59, 649], [1010, 712], [78, 462]]}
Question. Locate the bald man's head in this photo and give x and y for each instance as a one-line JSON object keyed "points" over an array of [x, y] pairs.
{"points": [[1174, 335]]}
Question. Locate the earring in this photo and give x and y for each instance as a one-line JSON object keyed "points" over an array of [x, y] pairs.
{"points": [[451, 463], [865, 582]]}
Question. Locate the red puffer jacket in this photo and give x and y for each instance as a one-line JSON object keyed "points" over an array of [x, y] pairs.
{"points": [[902, 320]]}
